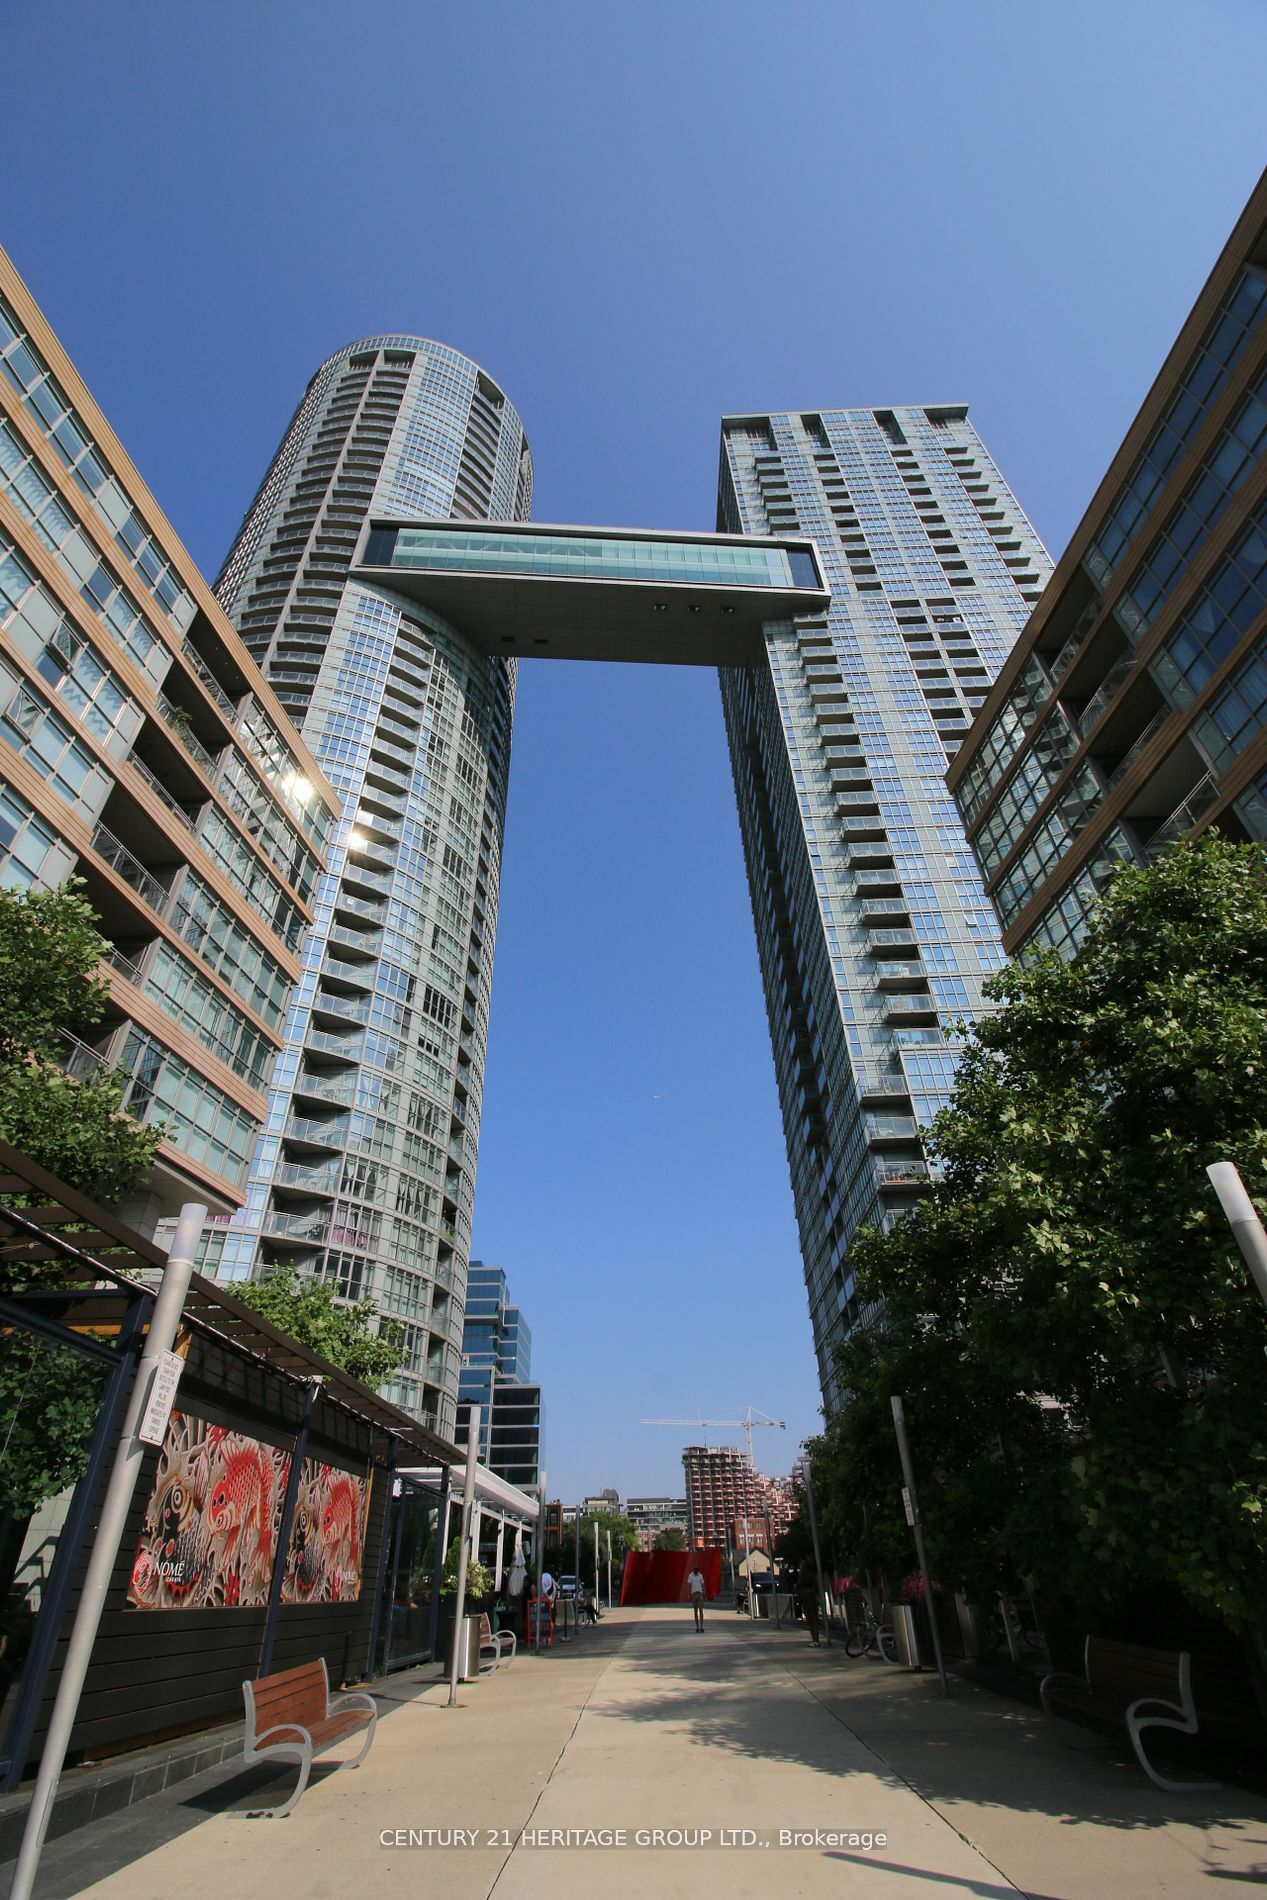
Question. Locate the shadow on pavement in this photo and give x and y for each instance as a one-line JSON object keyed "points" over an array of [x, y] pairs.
{"points": [[974, 1749]]}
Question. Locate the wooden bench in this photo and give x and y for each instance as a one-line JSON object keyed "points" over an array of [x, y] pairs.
{"points": [[1136, 1687], [291, 1717], [494, 1643]]}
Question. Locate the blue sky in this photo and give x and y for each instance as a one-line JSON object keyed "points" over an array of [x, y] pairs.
{"points": [[637, 218]]}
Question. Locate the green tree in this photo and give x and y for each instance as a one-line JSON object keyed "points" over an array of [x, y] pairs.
{"points": [[311, 1312], [49, 951], [1066, 1315], [672, 1537], [624, 1536]]}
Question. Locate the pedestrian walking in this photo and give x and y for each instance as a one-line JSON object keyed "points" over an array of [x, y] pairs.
{"points": [[695, 1584], [807, 1590]]}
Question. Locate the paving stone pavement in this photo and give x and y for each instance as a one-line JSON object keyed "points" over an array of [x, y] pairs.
{"points": [[644, 1757]]}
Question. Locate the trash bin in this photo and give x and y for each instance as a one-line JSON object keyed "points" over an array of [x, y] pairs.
{"points": [[468, 1650]]}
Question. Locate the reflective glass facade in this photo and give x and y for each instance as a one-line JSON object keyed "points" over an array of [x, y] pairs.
{"points": [[1137, 707], [496, 1376], [592, 557], [873, 928], [365, 1172], [141, 752]]}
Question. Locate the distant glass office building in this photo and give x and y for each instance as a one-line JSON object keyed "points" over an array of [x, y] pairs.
{"points": [[1134, 708], [496, 1342], [365, 1172], [874, 930]]}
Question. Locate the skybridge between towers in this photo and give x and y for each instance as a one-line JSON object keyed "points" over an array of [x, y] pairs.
{"points": [[571, 593]]}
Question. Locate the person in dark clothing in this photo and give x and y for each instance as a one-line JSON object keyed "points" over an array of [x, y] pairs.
{"points": [[807, 1590]]}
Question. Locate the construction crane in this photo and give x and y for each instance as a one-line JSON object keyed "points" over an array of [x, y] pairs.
{"points": [[752, 1417]]}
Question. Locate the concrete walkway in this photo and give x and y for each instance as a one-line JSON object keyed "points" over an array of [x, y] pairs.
{"points": [[701, 1755]]}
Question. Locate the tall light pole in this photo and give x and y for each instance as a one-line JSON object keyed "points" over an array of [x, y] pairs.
{"points": [[468, 1506], [1246, 1227], [813, 1531]]}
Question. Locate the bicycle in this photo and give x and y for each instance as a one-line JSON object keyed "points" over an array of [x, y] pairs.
{"points": [[873, 1637]]}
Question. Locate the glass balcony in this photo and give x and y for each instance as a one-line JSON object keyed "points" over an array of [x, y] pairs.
{"points": [[357, 975], [898, 976], [344, 902], [331, 1133], [315, 1089], [878, 941], [366, 943], [359, 878], [130, 869], [1108, 689], [345, 1048], [313, 1180], [166, 799], [341, 1007], [900, 1011], [1203, 795], [883, 1129], [901, 1174], [229, 707], [178, 721]]}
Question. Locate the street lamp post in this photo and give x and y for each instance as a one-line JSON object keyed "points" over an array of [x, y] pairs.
{"points": [[1246, 1227]]}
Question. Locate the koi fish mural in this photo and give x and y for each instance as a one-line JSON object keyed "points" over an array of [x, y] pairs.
{"points": [[209, 1539]]}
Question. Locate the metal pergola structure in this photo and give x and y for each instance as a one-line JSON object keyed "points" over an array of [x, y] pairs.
{"points": [[75, 1276]]}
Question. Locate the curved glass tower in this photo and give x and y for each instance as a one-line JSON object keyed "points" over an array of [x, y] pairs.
{"points": [[365, 1171]]}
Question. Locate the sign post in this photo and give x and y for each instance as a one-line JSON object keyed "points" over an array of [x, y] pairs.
{"points": [[910, 1502]]}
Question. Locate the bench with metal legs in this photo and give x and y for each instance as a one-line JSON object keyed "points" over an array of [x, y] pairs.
{"points": [[291, 1716]]}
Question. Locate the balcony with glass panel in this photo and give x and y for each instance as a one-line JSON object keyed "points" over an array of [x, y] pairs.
{"points": [[900, 976], [309, 1087], [901, 1175], [902, 1012], [329, 1133], [304, 1178], [877, 883], [334, 1047], [871, 851]]}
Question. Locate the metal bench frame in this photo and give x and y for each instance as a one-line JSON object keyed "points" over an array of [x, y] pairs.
{"points": [[1145, 1712], [493, 1643], [259, 1748]]}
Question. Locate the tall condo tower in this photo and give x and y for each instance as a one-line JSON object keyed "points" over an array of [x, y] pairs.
{"points": [[365, 1171], [873, 927]]}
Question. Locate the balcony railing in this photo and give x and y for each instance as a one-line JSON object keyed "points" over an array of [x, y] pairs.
{"points": [[178, 721], [165, 798], [1194, 807], [323, 1004], [1129, 757], [890, 1127], [901, 1173], [1108, 689], [322, 1180], [347, 1048], [229, 707], [342, 1094], [331, 1133], [359, 906], [130, 869], [366, 880]]}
